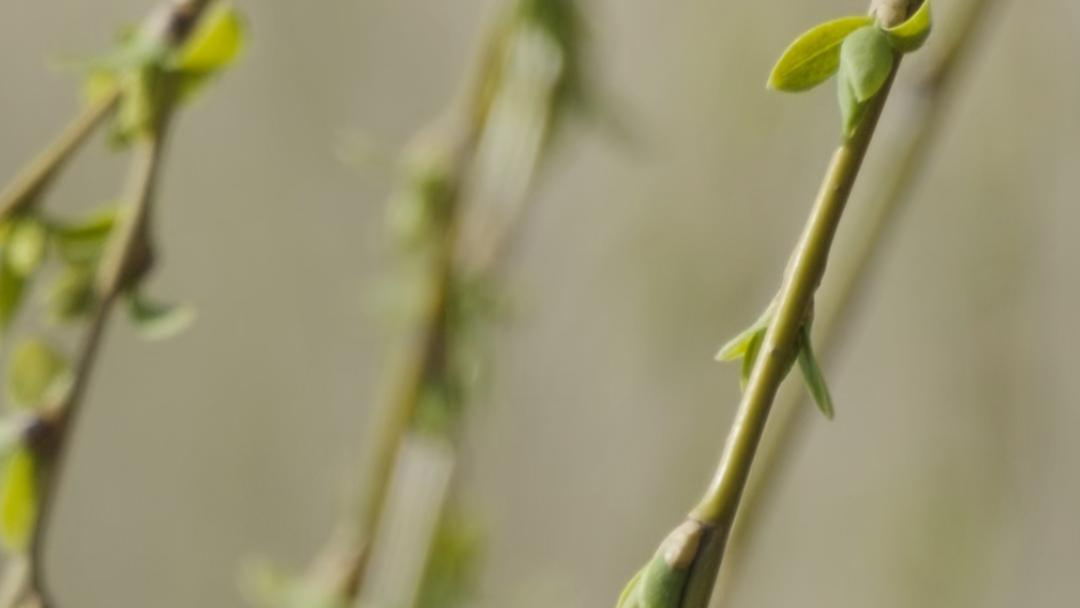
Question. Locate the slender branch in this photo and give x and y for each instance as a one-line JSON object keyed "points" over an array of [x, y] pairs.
{"points": [[27, 186], [930, 101], [131, 259], [128, 258], [709, 524]]}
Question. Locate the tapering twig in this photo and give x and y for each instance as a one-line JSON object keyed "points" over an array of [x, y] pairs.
{"points": [[929, 99]]}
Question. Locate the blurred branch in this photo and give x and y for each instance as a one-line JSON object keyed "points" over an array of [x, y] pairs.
{"points": [[469, 191], [929, 101], [128, 257]]}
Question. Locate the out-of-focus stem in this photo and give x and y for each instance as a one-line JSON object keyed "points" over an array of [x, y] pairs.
{"points": [[929, 102]]}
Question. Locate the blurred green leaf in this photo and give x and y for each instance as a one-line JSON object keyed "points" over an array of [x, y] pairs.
{"points": [[814, 56], [73, 295], [26, 245], [12, 289], [36, 372], [83, 242], [157, 320], [812, 374], [215, 43], [911, 34], [631, 593], [18, 500], [866, 60], [265, 585], [453, 567]]}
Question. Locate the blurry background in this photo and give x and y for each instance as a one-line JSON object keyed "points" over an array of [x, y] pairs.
{"points": [[947, 479]]}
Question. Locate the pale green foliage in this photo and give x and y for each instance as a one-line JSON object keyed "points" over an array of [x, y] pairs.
{"points": [[814, 56], [157, 320], [36, 372], [866, 59], [18, 499], [747, 346], [151, 76], [911, 34], [25, 248], [862, 52], [83, 242], [453, 569], [265, 585]]}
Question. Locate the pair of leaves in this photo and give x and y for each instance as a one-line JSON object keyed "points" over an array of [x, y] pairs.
{"points": [[150, 75], [864, 54], [747, 345]]}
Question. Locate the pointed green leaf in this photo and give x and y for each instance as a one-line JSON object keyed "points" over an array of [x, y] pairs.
{"points": [[851, 109], [866, 59], [156, 320], [750, 358], [26, 245], [736, 347], [216, 42], [911, 34], [814, 56], [18, 500], [812, 374], [12, 289], [37, 372], [72, 296], [83, 242]]}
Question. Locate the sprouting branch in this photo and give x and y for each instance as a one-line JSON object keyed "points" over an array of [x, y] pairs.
{"points": [[867, 53], [165, 73], [929, 102]]}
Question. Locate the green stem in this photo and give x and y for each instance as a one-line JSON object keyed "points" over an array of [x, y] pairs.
{"points": [[932, 95], [27, 186], [719, 506]]}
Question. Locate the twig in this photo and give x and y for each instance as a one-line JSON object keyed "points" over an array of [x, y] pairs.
{"points": [[930, 101], [127, 259], [31, 182], [685, 568]]}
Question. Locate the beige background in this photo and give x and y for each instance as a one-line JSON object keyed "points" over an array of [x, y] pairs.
{"points": [[948, 479]]}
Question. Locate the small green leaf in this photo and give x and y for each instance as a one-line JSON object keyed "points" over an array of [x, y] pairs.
{"points": [[37, 372], [73, 295], [814, 56], [851, 109], [214, 44], [811, 371], [83, 242], [18, 500], [12, 289], [911, 34], [750, 358], [736, 347], [156, 320], [26, 246], [866, 59]]}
